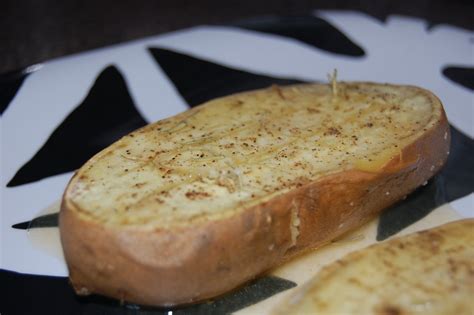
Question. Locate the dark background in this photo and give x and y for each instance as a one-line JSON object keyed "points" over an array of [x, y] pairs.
{"points": [[33, 31]]}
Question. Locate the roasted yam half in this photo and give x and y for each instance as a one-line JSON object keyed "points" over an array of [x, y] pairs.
{"points": [[194, 205], [429, 272]]}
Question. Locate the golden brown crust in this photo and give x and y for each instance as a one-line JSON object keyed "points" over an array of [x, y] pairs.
{"points": [[184, 265]]}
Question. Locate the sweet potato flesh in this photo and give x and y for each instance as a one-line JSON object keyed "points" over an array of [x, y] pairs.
{"points": [[238, 151]]}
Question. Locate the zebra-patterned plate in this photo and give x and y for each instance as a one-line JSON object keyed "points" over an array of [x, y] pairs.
{"points": [[56, 115]]}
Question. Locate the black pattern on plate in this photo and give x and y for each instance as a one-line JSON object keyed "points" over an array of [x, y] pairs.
{"points": [[308, 29], [106, 114], [10, 83], [454, 181], [44, 221], [59, 298], [198, 80], [460, 75]]}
